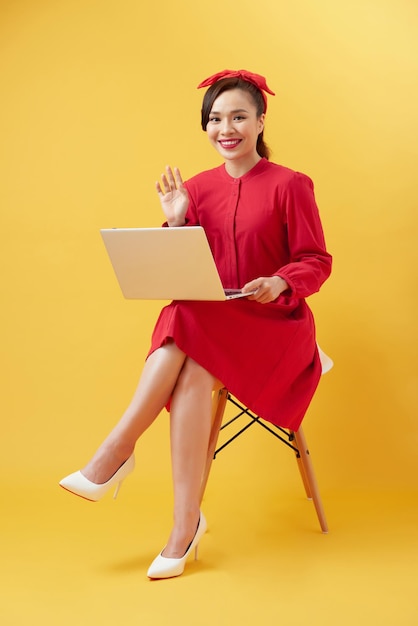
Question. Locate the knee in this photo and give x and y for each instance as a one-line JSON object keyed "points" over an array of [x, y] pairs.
{"points": [[194, 375]]}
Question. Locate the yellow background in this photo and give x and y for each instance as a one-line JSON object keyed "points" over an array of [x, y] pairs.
{"points": [[96, 98]]}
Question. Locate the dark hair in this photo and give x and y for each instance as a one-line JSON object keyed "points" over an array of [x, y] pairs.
{"points": [[226, 84]]}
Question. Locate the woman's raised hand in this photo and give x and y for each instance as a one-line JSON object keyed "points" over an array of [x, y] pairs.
{"points": [[173, 196]]}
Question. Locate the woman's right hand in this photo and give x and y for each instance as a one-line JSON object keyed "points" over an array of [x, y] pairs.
{"points": [[173, 197]]}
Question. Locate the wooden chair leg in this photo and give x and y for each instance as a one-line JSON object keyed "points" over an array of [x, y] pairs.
{"points": [[301, 468], [303, 458], [218, 408], [309, 479]]}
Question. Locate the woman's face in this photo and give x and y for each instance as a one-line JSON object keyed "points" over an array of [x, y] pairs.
{"points": [[233, 128]]}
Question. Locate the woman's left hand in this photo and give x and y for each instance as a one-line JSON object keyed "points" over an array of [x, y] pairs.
{"points": [[268, 288]]}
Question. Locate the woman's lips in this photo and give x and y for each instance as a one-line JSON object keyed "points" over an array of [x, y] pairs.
{"points": [[229, 144]]}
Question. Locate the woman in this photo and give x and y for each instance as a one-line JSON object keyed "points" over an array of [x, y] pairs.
{"points": [[264, 230]]}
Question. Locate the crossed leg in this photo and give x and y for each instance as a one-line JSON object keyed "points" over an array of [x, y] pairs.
{"points": [[155, 386], [167, 372]]}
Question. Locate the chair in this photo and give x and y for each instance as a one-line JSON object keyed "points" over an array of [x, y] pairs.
{"points": [[294, 440]]}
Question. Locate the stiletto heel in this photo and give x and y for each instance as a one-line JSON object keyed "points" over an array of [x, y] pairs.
{"points": [[163, 567], [81, 486], [118, 486]]}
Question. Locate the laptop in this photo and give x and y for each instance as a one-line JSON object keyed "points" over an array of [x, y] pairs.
{"points": [[165, 264]]}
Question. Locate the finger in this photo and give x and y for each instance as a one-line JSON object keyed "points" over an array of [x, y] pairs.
{"points": [[178, 177], [251, 286], [166, 184], [260, 297], [260, 289], [254, 296], [170, 177], [263, 295], [158, 187]]}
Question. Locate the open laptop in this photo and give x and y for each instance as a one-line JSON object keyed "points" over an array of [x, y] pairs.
{"points": [[165, 264]]}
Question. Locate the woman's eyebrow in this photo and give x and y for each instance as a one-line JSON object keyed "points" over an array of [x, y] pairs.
{"points": [[233, 111]]}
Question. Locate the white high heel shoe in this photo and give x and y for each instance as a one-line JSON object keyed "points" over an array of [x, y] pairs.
{"points": [[80, 485], [163, 567]]}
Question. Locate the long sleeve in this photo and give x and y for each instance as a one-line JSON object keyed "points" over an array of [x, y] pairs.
{"points": [[310, 263]]}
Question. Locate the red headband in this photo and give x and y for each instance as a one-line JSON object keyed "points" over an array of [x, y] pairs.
{"points": [[255, 79]]}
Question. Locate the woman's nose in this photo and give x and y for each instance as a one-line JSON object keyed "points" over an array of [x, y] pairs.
{"points": [[227, 127]]}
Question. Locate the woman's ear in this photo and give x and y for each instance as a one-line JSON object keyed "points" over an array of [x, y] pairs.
{"points": [[261, 122]]}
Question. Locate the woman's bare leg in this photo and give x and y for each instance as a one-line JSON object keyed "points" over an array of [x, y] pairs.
{"points": [[156, 384], [190, 424]]}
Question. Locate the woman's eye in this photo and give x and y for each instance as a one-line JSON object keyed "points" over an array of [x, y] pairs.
{"points": [[214, 119]]}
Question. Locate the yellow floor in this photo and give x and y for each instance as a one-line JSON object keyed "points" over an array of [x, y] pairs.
{"points": [[65, 561]]}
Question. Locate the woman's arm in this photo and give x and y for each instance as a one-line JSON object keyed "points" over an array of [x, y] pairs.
{"points": [[309, 262]]}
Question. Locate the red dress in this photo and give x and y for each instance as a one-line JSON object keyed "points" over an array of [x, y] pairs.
{"points": [[261, 224]]}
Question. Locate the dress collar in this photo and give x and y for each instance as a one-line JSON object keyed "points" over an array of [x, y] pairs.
{"points": [[258, 168]]}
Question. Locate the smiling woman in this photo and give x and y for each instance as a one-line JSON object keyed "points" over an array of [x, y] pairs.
{"points": [[96, 97], [263, 226]]}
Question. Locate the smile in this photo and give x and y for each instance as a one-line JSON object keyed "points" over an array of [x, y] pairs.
{"points": [[229, 143]]}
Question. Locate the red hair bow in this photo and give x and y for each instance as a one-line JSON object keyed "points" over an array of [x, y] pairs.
{"points": [[250, 77]]}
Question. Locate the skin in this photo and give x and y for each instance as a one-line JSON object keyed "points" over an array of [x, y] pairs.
{"points": [[232, 129]]}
